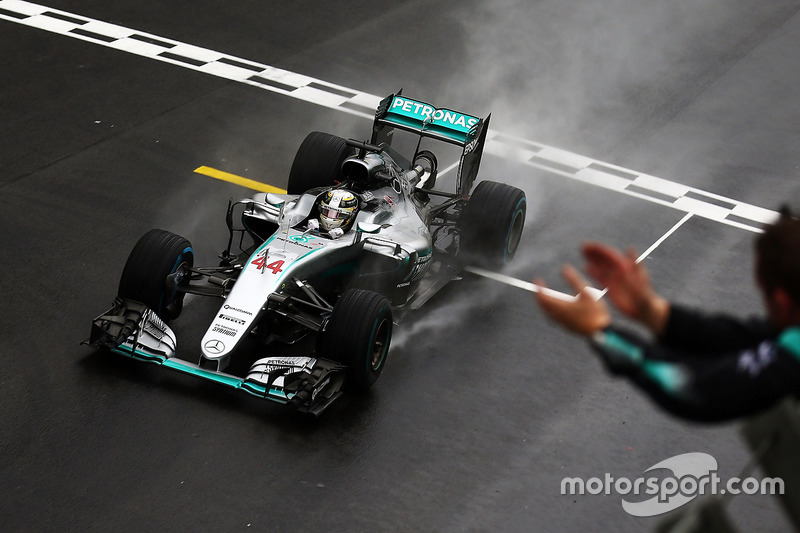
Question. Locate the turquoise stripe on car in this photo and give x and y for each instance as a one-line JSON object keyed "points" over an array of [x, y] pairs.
{"points": [[173, 363]]}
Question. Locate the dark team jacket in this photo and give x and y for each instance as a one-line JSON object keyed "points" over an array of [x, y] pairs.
{"points": [[709, 368]]}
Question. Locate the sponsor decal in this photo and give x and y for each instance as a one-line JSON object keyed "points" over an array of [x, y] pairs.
{"points": [[214, 346], [388, 199], [297, 240], [422, 264], [754, 361], [225, 330], [427, 113], [301, 238], [320, 387], [229, 318], [231, 308], [294, 364], [290, 361], [471, 146]]}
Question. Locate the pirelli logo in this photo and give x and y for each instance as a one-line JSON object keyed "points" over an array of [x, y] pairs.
{"points": [[229, 318]]}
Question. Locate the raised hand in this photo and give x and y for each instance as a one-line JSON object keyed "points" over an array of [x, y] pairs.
{"points": [[627, 283], [583, 314]]}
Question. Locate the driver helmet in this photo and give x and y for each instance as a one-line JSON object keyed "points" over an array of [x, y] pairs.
{"points": [[337, 209]]}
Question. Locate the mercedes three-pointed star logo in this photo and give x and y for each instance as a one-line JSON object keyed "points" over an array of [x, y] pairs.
{"points": [[214, 346]]}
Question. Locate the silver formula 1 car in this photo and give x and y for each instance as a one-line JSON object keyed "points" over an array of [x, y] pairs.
{"points": [[361, 237]]}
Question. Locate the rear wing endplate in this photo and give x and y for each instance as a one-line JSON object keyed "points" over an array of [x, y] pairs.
{"points": [[398, 112]]}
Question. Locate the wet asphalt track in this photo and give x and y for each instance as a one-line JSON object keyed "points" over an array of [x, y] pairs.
{"points": [[483, 407]]}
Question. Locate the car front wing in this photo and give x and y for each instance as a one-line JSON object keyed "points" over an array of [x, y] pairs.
{"points": [[131, 329]]}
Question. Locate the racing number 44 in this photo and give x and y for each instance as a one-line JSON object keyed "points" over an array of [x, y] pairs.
{"points": [[275, 266]]}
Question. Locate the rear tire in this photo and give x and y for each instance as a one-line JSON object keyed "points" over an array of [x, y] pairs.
{"points": [[318, 162], [491, 224], [155, 256], [357, 335]]}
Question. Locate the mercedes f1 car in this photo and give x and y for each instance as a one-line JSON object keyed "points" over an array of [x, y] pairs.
{"points": [[361, 236]]}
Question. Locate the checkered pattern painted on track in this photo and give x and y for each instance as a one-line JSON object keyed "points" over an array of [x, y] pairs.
{"points": [[306, 88]]}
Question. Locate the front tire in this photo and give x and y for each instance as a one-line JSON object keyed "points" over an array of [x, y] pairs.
{"points": [[155, 256], [491, 224], [357, 335], [318, 162]]}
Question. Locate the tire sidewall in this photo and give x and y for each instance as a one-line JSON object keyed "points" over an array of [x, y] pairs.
{"points": [[516, 225], [372, 372], [155, 256], [359, 320], [318, 162], [491, 224]]}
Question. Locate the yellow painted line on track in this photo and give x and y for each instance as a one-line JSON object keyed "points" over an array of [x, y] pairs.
{"points": [[238, 180]]}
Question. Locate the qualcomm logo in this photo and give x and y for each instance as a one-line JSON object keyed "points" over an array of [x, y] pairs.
{"points": [[690, 475]]}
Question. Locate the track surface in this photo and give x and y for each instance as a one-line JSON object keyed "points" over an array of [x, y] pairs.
{"points": [[484, 407]]}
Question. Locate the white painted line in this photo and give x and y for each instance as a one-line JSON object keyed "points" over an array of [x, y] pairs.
{"points": [[24, 8], [565, 158], [596, 293], [194, 52], [703, 209], [284, 76], [664, 237], [347, 100], [602, 179], [314, 95], [230, 72], [505, 151], [531, 287], [514, 282], [110, 30], [368, 101], [140, 48], [54, 25], [661, 186], [752, 212], [448, 169]]}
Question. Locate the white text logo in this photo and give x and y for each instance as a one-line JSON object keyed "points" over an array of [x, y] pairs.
{"points": [[692, 474]]}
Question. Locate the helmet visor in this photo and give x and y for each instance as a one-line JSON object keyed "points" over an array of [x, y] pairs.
{"points": [[332, 213]]}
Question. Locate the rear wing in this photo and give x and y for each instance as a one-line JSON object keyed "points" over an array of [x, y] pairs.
{"points": [[398, 112]]}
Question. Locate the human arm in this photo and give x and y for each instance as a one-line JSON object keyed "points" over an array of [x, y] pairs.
{"points": [[730, 385], [741, 380], [628, 287], [627, 284], [701, 333], [702, 367]]}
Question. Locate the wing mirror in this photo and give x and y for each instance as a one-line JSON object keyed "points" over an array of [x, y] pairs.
{"points": [[366, 227], [275, 200]]}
